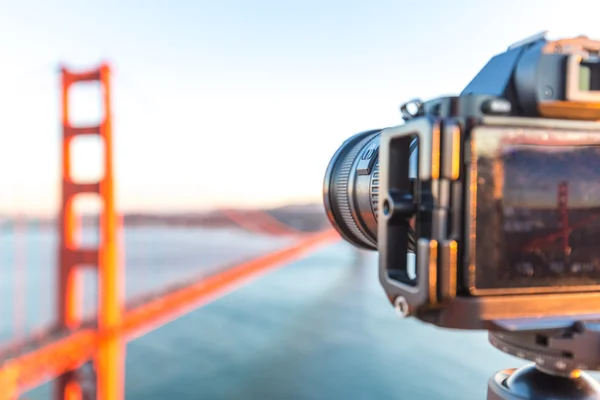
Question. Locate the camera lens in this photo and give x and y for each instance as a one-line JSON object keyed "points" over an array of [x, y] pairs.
{"points": [[350, 195], [351, 190]]}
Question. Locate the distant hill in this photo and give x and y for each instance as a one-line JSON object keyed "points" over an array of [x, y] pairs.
{"points": [[305, 217]]}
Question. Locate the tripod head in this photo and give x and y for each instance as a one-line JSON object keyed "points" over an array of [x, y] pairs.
{"points": [[559, 353]]}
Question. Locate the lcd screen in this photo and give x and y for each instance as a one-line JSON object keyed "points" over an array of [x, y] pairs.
{"points": [[537, 212]]}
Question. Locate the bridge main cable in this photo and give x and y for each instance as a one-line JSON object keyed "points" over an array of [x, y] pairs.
{"points": [[33, 368]]}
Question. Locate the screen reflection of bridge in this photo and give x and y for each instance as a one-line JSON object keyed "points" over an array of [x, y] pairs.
{"points": [[59, 352], [565, 227]]}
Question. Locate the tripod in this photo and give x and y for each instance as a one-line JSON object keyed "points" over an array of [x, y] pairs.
{"points": [[559, 356]]}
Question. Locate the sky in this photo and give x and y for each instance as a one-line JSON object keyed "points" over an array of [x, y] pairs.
{"points": [[236, 103]]}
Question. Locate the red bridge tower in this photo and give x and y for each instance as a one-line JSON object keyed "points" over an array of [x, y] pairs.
{"points": [[109, 361]]}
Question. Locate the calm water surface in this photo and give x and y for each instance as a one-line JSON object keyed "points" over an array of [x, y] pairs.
{"points": [[320, 328]]}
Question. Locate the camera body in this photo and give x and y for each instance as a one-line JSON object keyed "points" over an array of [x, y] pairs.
{"points": [[496, 235], [485, 207]]}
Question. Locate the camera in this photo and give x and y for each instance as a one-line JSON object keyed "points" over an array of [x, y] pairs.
{"points": [[485, 207]]}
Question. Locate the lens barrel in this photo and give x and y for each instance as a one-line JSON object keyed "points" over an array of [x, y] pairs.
{"points": [[351, 189]]}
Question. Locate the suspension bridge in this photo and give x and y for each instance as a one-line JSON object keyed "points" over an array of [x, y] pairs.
{"points": [[59, 350]]}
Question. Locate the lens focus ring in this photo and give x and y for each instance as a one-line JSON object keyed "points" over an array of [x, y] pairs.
{"points": [[342, 193], [346, 190]]}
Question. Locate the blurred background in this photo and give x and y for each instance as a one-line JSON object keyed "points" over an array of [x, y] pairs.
{"points": [[225, 115]]}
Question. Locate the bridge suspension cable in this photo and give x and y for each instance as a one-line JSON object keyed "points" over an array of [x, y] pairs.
{"points": [[261, 222]]}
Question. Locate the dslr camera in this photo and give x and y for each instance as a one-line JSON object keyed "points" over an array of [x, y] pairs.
{"points": [[485, 210]]}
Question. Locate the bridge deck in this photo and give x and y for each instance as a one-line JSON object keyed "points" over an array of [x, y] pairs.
{"points": [[52, 352]]}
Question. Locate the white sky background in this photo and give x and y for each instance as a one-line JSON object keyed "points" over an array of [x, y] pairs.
{"points": [[237, 103]]}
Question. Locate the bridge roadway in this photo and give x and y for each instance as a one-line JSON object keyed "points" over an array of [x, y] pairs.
{"points": [[51, 352]]}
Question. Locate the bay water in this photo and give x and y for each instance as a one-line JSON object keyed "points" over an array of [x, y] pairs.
{"points": [[318, 328]]}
